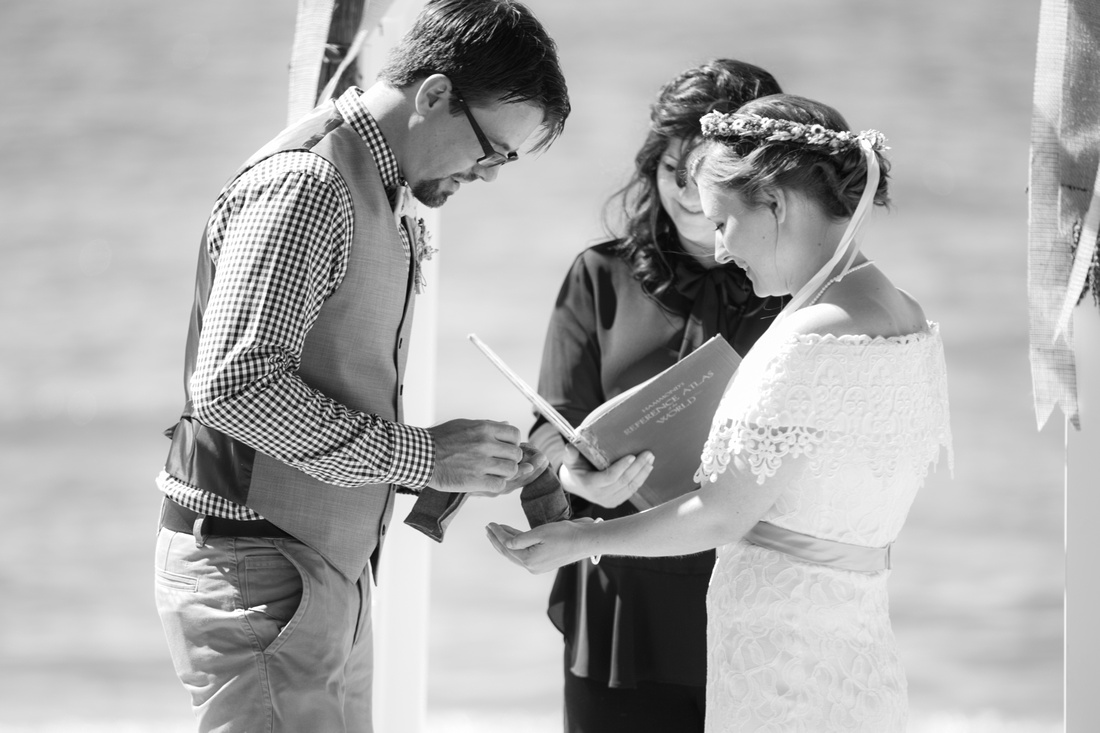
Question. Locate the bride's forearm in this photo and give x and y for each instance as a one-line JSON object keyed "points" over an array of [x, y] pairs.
{"points": [[716, 514]]}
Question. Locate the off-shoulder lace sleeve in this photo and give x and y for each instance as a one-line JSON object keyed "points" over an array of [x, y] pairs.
{"points": [[836, 400]]}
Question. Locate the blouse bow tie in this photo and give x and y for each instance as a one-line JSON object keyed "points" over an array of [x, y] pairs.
{"points": [[711, 300]]}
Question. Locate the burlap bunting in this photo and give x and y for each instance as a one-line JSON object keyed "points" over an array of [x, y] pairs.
{"points": [[1065, 153], [311, 31]]}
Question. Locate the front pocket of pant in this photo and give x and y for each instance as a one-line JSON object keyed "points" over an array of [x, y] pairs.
{"points": [[175, 581], [271, 591]]}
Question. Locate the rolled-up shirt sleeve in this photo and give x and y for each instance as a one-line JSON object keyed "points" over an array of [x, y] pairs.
{"points": [[280, 239]]}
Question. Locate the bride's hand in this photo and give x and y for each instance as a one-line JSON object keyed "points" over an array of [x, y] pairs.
{"points": [[610, 487], [545, 548]]}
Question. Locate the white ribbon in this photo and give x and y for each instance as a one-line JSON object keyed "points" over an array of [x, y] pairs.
{"points": [[352, 55], [848, 247], [1082, 260]]}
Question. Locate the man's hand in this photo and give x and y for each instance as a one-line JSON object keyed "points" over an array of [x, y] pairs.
{"points": [[533, 463], [478, 457], [610, 487]]}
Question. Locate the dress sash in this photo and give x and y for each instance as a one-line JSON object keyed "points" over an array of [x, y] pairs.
{"points": [[820, 551]]}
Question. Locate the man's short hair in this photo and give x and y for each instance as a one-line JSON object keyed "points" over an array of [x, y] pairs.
{"points": [[491, 50]]}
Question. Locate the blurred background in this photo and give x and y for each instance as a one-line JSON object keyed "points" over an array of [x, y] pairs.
{"points": [[121, 120]]}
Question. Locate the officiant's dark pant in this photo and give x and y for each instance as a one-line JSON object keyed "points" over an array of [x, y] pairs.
{"points": [[593, 707]]}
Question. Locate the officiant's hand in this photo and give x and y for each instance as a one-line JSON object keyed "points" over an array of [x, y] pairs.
{"points": [[480, 457], [610, 487]]}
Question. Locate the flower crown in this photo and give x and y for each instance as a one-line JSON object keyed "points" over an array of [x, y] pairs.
{"points": [[754, 127]]}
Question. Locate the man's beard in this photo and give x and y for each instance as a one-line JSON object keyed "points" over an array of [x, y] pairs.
{"points": [[430, 193]]}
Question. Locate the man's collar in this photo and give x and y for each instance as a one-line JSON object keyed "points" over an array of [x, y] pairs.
{"points": [[350, 104]]}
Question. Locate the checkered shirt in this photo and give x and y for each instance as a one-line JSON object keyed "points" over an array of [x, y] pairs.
{"points": [[280, 239]]}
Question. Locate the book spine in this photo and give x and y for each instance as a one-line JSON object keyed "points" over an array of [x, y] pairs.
{"points": [[590, 449]]}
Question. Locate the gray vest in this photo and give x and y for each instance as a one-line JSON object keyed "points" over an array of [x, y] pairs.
{"points": [[354, 354]]}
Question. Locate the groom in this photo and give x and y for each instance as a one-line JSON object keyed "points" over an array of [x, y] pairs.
{"points": [[282, 468]]}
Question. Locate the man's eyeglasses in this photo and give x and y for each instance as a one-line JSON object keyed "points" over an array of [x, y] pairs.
{"points": [[492, 157]]}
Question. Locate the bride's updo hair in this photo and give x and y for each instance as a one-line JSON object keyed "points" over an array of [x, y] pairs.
{"points": [[833, 177]]}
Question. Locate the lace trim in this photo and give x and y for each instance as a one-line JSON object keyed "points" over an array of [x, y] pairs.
{"points": [[812, 339], [883, 405]]}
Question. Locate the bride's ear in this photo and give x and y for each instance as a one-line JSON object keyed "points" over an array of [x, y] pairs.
{"points": [[778, 201]]}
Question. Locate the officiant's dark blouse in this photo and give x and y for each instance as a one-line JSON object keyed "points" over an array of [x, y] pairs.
{"points": [[634, 619]]}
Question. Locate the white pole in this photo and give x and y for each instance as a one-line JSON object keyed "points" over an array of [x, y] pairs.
{"points": [[400, 608], [1082, 600]]}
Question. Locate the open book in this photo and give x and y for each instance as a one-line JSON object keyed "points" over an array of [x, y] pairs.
{"points": [[669, 415]]}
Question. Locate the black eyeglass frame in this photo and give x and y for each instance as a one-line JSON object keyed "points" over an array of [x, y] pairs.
{"points": [[492, 157]]}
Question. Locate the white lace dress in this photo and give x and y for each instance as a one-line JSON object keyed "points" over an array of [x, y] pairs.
{"points": [[794, 646]]}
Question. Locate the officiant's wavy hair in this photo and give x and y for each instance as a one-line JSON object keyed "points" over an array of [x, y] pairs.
{"points": [[491, 50], [634, 213]]}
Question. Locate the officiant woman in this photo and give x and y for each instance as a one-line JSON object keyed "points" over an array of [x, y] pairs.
{"points": [[635, 628]]}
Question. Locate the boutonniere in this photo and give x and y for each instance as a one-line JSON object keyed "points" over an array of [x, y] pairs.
{"points": [[422, 250]]}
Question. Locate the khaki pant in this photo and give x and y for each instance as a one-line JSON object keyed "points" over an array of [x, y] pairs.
{"points": [[265, 635]]}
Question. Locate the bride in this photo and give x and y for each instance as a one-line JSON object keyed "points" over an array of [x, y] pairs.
{"points": [[818, 448]]}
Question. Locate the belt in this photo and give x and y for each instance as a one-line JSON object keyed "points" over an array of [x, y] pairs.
{"points": [[820, 551], [178, 518]]}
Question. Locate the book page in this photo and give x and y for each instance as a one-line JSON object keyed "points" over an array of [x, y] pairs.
{"points": [[545, 408]]}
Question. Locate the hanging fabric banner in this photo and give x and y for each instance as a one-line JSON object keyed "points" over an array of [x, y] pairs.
{"points": [[307, 56], [1065, 154]]}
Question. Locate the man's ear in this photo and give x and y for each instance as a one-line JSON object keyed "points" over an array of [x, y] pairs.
{"points": [[433, 95]]}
